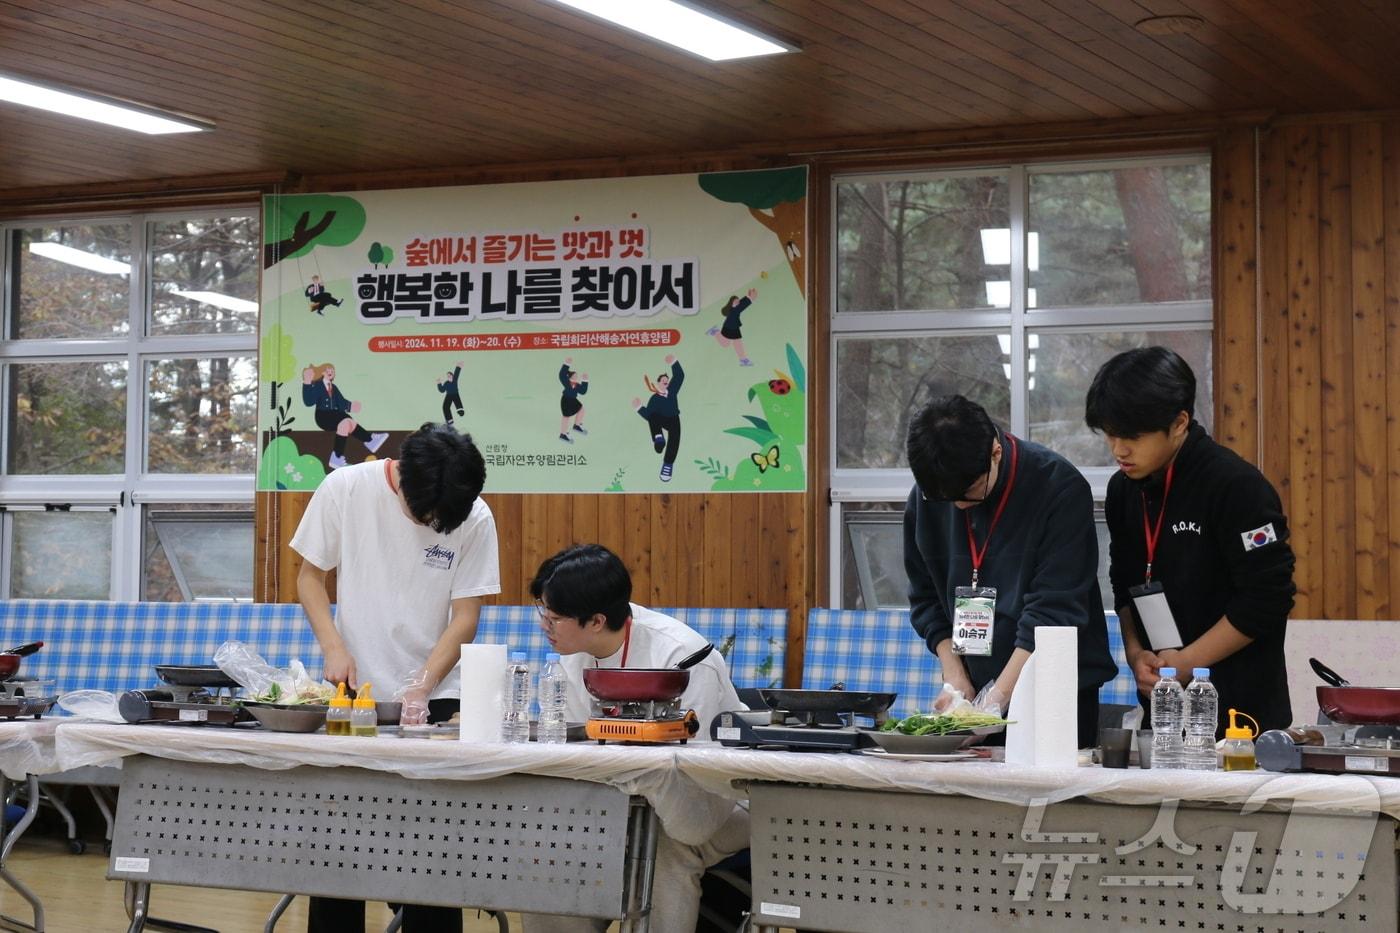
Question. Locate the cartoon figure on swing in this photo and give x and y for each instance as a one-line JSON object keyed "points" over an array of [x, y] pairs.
{"points": [[319, 297]]}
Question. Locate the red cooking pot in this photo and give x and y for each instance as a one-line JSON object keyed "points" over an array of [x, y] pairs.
{"points": [[1358, 706], [635, 684], [9, 660]]}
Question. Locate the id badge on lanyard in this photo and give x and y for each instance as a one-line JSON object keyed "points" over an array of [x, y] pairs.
{"points": [[974, 612], [1150, 599], [975, 606]]}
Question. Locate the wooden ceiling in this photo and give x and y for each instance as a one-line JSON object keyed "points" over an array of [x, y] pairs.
{"points": [[319, 87]]}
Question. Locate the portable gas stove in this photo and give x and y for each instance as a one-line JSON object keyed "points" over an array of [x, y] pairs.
{"points": [[803, 720], [186, 698], [1332, 749], [645, 721], [19, 698]]}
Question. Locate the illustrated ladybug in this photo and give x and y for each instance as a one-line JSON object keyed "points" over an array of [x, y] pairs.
{"points": [[779, 386]]}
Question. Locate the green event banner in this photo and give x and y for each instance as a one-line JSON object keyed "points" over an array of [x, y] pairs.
{"points": [[608, 335]]}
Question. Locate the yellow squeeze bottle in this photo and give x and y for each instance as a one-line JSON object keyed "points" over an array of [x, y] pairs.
{"points": [[338, 715], [364, 719], [1239, 744]]}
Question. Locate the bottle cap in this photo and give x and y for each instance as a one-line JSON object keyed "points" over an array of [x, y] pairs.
{"points": [[341, 699], [363, 700], [552, 656], [517, 656], [1236, 731], [1167, 672], [1201, 672]]}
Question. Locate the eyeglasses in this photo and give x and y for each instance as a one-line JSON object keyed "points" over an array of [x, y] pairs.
{"points": [[550, 620], [984, 482]]}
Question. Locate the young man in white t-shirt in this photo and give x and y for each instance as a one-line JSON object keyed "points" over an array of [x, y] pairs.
{"points": [[584, 598], [414, 549]]}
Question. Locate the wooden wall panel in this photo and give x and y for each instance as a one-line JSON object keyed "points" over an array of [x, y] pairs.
{"points": [[1304, 363], [1338, 463], [1236, 392], [1370, 503], [1328, 353]]}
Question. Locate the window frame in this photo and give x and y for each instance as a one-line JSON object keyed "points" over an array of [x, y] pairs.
{"points": [[126, 493], [849, 485]]}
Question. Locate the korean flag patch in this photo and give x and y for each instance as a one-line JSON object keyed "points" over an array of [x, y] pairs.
{"points": [[1259, 537]]}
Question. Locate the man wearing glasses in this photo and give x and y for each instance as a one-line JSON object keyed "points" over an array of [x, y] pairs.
{"points": [[584, 594], [998, 539]]}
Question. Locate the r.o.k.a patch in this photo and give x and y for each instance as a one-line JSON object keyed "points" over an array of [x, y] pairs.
{"points": [[1259, 537]]}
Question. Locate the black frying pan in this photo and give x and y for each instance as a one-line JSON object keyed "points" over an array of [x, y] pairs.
{"points": [[861, 702]]}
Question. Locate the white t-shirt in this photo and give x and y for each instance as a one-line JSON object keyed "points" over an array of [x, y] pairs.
{"points": [[660, 641], [396, 579]]}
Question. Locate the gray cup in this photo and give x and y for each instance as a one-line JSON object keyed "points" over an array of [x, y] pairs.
{"points": [[1144, 744]]}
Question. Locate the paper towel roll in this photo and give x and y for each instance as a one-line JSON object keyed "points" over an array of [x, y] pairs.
{"points": [[1044, 707], [483, 670], [1056, 696]]}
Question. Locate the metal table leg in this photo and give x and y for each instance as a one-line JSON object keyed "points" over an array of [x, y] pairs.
{"points": [[277, 912], [641, 867], [35, 906], [137, 897]]}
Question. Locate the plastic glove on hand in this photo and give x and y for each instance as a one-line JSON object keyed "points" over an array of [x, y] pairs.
{"points": [[413, 694]]}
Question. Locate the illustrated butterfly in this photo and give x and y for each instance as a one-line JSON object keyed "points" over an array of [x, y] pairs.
{"points": [[767, 460]]}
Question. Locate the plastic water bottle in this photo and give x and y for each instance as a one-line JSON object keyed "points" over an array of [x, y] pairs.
{"points": [[516, 727], [1201, 716], [553, 728], [1167, 725]]}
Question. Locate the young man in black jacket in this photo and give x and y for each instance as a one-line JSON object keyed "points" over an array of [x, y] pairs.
{"points": [[992, 511], [1193, 524]]}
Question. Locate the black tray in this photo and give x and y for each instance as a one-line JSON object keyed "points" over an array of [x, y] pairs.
{"points": [[194, 675]]}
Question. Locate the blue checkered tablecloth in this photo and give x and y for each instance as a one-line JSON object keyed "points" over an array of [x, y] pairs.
{"points": [[115, 646], [880, 651], [751, 640]]}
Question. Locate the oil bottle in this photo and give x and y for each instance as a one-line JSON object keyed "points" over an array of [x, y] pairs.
{"points": [[364, 719], [338, 715], [1239, 744]]}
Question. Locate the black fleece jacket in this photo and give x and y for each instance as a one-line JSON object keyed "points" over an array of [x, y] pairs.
{"points": [[1208, 570], [1043, 561]]}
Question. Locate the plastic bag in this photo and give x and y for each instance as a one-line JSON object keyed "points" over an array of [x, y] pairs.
{"points": [[268, 684], [98, 705]]}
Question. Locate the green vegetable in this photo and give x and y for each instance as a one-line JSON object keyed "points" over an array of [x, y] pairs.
{"points": [[941, 723]]}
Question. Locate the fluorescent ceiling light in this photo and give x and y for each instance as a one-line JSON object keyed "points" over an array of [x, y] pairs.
{"points": [[227, 302], [683, 26], [77, 257], [999, 296], [91, 107], [996, 248]]}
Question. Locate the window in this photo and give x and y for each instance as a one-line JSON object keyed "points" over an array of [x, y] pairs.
{"points": [[129, 375], [1009, 285]]}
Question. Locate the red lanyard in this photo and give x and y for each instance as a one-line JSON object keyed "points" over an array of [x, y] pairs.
{"points": [[977, 555], [1149, 532], [626, 642]]}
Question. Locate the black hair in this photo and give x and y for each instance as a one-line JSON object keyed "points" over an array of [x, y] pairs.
{"points": [[441, 474], [950, 446], [1140, 392], [582, 581]]}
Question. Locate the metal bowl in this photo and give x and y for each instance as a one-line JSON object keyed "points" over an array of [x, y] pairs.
{"points": [[898, 743], [288, 718]]}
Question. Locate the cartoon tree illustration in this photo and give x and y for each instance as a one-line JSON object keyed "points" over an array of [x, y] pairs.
{"points": [[297, 222], [278, 366], [380, 255], [775, 198]]}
